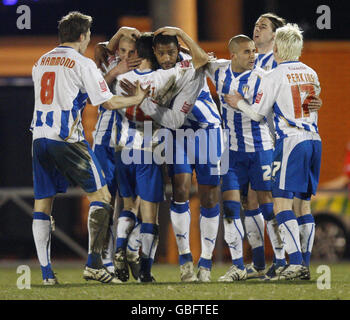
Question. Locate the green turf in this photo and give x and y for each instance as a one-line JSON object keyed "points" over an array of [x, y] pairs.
{"points": [[73, 286]]}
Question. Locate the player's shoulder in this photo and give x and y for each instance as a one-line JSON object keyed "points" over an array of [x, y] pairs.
{"points": [[259, 72]]}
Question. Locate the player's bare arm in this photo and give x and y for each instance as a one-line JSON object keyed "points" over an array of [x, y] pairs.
{"points": [[119, 102], [128, 32], [199, 56], [101, 54]]}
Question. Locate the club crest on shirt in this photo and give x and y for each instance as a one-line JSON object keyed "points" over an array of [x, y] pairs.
{"points": [[245, 88]]}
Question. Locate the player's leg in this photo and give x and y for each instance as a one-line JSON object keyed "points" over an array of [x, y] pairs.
{"points": [[180, 173], [126, 179], [149, 238], [105, 156], [306, 222], [254, 226], [209, 222], [133, 248], [232, 181], [149, 187], [233, 233], [292, 158], [126, 223], [42, 229], [47, 182], [79, 164], [260, 176], [208, 149]]}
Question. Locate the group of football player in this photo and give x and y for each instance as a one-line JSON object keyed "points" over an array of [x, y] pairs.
{"points": [[257, 150]]}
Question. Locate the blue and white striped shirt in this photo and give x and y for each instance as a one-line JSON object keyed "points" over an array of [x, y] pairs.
{"points": [[246, 135]]}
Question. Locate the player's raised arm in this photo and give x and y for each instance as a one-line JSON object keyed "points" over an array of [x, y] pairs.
{"points": [[199, 56], [128, 32], [119, 102]]}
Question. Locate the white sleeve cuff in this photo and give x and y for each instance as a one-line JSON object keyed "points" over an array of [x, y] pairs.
{"points": [[246, 108]]}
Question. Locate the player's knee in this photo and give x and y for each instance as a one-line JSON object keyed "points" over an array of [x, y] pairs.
{"points": [[208, 196], [181, 193], [101, 195]]}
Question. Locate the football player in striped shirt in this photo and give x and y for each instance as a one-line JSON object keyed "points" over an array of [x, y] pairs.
{"points": [[63, 80], [287, 91], [203, 117], [251, 148], [263, 36], [143, 178], [128, 226]]}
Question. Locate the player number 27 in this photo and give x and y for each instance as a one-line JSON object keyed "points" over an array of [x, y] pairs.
{"points": [[276, 165], [47, 85], [301, 110]]}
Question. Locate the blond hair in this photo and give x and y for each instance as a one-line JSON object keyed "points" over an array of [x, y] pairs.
{"points": [[289, 42]]}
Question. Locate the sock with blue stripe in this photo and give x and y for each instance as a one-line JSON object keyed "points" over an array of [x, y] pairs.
{"points": [[255, 228], [233, 231], [181, 219], [98, 222], [41, 228], [307, 235], [134, 242], [274, 235], [209, 226], [149, 243], [289, 231], [126, 223]]}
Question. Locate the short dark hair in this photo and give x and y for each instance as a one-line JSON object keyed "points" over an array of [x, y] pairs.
{"points": [[276, 21], [72, 25], [236, 40], [165, 39], [144, 48]]}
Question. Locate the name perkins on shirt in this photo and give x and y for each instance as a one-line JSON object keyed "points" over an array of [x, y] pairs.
{"points": [[300, 77]]}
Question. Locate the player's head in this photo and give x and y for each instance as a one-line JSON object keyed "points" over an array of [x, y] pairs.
{"points": [[288, 43], [242, 53], [265, 28], [75, 27], [126, 48], [144, 49], [166, 50]]}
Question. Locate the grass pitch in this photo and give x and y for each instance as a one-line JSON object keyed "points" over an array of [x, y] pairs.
{"points": [[168, 287]]}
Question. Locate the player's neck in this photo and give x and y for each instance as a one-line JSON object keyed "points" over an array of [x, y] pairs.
{"points": [[145, 64], [263, 49]]}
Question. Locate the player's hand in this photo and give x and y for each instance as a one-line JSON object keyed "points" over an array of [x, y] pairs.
{"points": [[315, 104], [211, 55], [101, 54], [128, 87], [125, 66], [232, 99], [141, 93], [129, 32], [185, 50], [169, 31]]}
